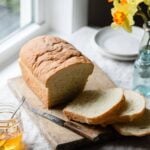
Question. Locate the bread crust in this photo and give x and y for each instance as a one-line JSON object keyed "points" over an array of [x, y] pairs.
{"points": [[46, 55]]}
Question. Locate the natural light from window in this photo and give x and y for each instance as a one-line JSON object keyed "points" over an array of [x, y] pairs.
{"points": [[14, 15]]}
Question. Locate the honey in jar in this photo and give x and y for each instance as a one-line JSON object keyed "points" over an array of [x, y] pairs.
{"points": [[11, 133]]}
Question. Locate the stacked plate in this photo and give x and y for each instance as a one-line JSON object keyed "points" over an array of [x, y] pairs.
{"points": [[117, 43]]}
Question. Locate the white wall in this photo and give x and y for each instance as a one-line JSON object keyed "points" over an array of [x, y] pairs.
{"points": [[67, 15]]}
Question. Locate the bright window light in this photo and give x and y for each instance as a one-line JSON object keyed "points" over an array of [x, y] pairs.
{"points": [[14, 15]]}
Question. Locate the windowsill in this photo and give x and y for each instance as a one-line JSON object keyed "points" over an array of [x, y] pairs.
{"points": [[81, 39], [8, 72]]}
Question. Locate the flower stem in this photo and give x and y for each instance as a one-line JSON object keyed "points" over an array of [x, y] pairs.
{"points": [[141, 13], [148, 12]]}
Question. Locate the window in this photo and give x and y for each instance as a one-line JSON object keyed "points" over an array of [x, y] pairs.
{"points": [[29, 18], [14, 15], [25, 20]]}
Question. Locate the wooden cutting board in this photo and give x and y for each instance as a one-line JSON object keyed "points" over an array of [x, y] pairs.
{"points": [[59, 137]]}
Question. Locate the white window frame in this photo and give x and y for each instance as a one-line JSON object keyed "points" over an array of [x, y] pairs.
{"points": [[10, 47], [25, 16], [48, 16], [68, 15]]}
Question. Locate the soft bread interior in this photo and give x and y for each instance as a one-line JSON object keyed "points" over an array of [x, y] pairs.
{"points": [[34, 84], [63, 86], [135, 104], [67, 83], [133, 108], [94, 106]]}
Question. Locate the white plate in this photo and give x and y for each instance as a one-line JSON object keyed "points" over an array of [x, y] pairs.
{"points": [[116, 57], [118, 42], [112, 56]]}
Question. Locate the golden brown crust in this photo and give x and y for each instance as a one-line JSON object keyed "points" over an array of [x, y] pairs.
{"points": [[45, 55], [96, 120]]}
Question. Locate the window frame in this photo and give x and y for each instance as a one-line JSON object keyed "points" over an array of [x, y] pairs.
{"points": [[11, 45], [25, 16], [45, 21]]}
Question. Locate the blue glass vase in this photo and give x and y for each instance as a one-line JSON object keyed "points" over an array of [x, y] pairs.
{"points": [[141, 75]]}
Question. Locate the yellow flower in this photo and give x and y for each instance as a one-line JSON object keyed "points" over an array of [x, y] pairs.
{"points": [[123, 2], [123, 13], [119, 17]]}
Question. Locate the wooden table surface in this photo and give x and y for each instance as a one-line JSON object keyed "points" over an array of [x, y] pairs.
{"points": [[119, 72]]}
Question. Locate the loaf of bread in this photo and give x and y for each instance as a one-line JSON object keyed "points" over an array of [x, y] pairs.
{"points": [[54, 69], [94, 107]]}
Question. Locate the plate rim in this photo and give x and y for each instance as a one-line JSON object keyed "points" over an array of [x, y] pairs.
{"points": [[102, 52], [106, 50]]}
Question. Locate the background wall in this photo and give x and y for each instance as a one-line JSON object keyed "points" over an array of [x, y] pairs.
{"points": [[99, 13]]}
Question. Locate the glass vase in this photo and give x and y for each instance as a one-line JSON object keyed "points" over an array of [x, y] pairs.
{"points": [[141, 76]]}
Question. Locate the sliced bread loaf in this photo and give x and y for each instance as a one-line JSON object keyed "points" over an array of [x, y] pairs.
{"points": [[141, 127], [54, 69], [133, 109], [95, 107]]}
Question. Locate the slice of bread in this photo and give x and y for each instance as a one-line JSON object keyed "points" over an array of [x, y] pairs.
{"points": [[93, 107], [135, 106], [133, 109], [141, 127]]}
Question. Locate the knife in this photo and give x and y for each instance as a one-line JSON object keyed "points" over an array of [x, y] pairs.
{"points": [[83, 130], [89, 132]]}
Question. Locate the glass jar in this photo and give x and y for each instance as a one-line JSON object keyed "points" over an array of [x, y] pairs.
{"points": [[11, 130], [141, 76]]}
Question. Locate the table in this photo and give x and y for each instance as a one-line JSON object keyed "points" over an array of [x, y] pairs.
{"points": [[119, 72]]}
